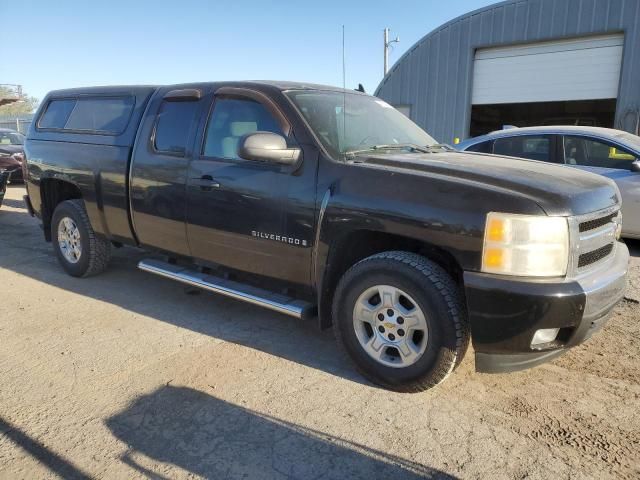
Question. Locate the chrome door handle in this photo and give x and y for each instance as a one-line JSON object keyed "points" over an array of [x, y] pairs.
{"points": [[206, 182]]}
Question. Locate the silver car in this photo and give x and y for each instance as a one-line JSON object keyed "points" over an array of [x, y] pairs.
{"points": [[612, 153]]}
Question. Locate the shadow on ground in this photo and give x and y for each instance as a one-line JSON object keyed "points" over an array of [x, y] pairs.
{"points": [[10, 202], [634, 247], [54, 462], [215, 439]]}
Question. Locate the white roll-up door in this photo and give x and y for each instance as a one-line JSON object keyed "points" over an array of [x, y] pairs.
{"points": [[576, 69]]}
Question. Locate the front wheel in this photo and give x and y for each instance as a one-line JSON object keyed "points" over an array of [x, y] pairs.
{"points": [[402, 321], [80, 251]]}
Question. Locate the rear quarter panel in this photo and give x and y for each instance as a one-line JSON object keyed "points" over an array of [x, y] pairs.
{"points": [[99, 172]]}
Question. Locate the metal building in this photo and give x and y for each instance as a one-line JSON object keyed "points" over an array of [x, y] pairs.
{"points": [[523, 62]]}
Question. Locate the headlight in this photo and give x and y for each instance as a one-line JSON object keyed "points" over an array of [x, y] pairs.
{"points": [[525, 245]]}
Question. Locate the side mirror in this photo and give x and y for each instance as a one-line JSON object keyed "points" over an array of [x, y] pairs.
{"points": [[635, 166], [267, 147]]}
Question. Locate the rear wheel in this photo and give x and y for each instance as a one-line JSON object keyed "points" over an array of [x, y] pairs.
{"points": [[401, 319], [80, 251]]}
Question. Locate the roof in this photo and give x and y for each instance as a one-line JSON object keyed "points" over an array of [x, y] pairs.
{"points": [[434, 77], [8, 100], [289, 85], [599, 132], [435, 31], [277, 84]]}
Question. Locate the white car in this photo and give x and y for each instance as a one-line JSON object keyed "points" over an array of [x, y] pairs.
{"points": [[612, 153]]}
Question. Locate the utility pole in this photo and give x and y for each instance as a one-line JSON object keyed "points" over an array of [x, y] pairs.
{"points": [[387, 44]]}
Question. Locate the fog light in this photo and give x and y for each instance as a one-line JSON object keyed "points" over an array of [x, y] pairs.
{"points": [[544, 335]]}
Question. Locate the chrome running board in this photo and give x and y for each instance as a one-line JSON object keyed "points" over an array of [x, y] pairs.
{"points": [[239, 291]]}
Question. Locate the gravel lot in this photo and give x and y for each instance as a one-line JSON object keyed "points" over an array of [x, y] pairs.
{"points": [[129, 375]]}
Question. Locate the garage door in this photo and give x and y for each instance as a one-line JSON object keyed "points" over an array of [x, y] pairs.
{"points": [[578, 69]]}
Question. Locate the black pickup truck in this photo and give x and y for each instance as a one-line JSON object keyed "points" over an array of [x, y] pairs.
{"points": [[323, 203]]}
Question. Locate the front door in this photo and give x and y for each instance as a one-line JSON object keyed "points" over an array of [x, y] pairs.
{"points": [[245, 214]]}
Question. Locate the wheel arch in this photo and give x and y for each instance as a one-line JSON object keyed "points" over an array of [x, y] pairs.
{"points": [[358, 244], [54, 191]]}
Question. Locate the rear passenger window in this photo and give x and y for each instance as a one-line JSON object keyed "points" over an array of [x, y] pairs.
{"points": [[230, 120], [57, 113], [533, 147], [173, 126], [108, 115]]}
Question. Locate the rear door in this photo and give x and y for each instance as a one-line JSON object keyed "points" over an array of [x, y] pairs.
{"points": [[252, 216], [160, 169]]}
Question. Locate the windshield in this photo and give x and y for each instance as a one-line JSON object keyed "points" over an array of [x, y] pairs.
{"points": [[11, 138], [352, 122]]}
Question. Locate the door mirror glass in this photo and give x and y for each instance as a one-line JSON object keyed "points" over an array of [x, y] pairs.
{"points": [[635, 166], [267, 147]]}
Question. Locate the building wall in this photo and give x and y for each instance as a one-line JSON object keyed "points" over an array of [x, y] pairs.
{"points": [[435, 76]]}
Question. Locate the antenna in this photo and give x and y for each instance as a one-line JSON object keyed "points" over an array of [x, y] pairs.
{"points": [[344, 74], [344, 93]]}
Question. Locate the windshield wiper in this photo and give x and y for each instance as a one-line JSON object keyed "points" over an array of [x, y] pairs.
{"points": [[411, 147], [440, 146]]}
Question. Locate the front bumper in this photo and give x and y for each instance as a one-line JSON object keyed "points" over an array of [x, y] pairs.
{"points": [[505, 313]]}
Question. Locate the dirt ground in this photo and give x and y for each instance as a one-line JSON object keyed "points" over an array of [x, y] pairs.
{"points": [[128, 375]]}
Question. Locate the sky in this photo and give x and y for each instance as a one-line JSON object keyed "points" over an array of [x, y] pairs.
{"points": [[61, 44]]}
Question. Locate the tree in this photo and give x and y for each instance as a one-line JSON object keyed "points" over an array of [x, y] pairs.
{"points": [[26, 104]]}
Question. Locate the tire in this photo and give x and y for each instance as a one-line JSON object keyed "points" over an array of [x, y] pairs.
{"points": [[419, 286], [94, 250]]}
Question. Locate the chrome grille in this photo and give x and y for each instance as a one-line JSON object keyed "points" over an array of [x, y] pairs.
{"points": [[596, 223], [592, 257], [593, 239]]}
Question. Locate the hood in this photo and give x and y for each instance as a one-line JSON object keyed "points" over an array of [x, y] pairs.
{"points": [[11, 149], [557, 189]]}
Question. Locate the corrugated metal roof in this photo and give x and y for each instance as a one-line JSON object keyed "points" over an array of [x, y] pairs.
{"points": [[435, 75]]}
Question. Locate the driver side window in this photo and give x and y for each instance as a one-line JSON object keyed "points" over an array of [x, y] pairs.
{"points": [[596, 153], [231, 118]]}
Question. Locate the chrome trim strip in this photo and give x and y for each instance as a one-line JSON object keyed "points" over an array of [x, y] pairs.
{"points": [[188, 277], [316, 241]]}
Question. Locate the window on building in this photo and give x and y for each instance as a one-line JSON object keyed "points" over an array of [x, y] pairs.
{"points": [[404, 109]]}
